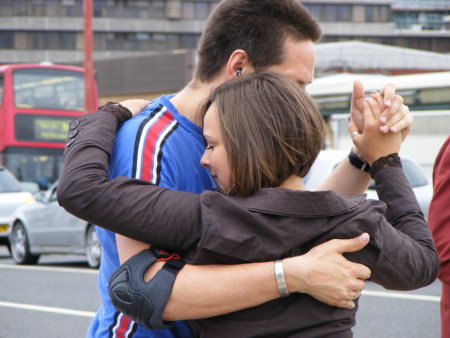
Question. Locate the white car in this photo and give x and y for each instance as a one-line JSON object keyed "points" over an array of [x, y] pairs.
{"points": [[329, 159], [43, 227], [11, 196]]}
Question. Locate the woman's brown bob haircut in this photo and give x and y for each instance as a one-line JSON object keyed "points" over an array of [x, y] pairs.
{"points": [[259, 27], [271, 129]]}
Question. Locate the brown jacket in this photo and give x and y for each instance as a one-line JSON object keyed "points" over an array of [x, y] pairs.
{"points": [[273, 223]]}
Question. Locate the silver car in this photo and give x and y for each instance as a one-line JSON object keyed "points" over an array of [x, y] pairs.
{"points": [[329, 159], [43, 227], [11, 196]]}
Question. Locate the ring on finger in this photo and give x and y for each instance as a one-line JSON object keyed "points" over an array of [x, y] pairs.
{"points": [[353, 134]]}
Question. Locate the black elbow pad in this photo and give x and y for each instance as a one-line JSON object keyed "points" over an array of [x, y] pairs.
{"points": [[144, 302]]}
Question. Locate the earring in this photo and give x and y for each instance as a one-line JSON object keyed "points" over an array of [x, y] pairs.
{"points": [[239, 72]]}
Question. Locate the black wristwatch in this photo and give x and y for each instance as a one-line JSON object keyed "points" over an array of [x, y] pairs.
{"points": [[357, 162]]}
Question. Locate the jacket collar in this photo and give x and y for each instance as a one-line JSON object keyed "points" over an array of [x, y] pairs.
{"points": [[280, 201]]}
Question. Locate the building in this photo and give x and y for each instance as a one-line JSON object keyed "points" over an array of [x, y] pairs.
{"points": [[383, 22], [51, 30], [422, 14], [365, 57]]}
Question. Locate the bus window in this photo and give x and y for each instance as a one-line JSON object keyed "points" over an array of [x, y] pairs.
{"points": [[48, 89], [39, 102], [35, 164]]}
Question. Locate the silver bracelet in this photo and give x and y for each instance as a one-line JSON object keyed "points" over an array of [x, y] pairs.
{"points": [[279, 275]]}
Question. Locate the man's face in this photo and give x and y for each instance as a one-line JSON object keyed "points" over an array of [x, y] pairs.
{"points": [[298, 64]]}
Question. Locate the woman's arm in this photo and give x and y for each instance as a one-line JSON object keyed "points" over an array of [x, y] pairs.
{"points": [[123, 205], [408, 258], [407, 253], [393, 116]]}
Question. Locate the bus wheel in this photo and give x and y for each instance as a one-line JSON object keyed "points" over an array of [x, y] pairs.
{"points": [[20, 246], [93, 248]]}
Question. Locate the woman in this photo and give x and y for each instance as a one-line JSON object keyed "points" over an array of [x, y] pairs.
{"points": [[263, 134]]}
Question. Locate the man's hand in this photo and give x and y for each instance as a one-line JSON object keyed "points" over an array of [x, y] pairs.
{"points": [[135, 105], [326, 275], [395, 115]]}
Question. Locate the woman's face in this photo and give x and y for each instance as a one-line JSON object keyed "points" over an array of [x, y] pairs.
{"points": [[215, 157]]}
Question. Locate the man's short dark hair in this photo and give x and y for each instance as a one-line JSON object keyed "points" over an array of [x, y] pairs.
{"points": [[260, 27]]}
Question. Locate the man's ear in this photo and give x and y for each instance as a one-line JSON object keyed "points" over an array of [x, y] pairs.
{"points": [[238, 64]]}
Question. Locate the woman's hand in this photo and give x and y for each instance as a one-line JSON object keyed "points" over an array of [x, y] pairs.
{"points": [[373, 143], [135, 105], [395, 116]]}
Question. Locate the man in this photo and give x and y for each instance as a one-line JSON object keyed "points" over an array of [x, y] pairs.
{"points": [[164, 145], [439, 221]]}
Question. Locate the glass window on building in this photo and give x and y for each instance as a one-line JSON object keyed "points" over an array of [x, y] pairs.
{"points": [[173, 42], [370, 13], [7, 8], [344, 13], [115, 41], [384, 14], [316, 11], [100, 8], [189, 41], [6, 40], [157, 9], [142, 4], [37, 8], [159, 42], [99, 41], [330, 13], [21, 40], [131, 12], [359, 13], [52, 40], [20, 7], [68, 40], [37, 40], [188, 10], [53, 8], [201, 10]]}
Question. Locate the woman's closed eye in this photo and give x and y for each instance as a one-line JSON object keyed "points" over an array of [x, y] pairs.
{"points": [[209, 147]]}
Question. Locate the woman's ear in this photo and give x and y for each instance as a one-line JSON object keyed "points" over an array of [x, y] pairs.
{"points": [[238, 64]]}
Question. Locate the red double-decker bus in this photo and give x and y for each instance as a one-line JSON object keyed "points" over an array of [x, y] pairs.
{"points": [[37, 103]]}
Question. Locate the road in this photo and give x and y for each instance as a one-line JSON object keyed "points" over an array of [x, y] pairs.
{"points": [[58, 298]]}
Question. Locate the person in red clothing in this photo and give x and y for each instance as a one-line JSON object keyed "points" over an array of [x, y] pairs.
{"points": [[439, 222]]}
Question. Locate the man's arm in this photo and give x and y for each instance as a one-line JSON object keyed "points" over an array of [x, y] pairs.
{"points": [[323, 273], [202, 291]]}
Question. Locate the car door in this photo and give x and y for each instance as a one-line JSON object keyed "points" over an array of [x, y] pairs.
{"points": [[43, 220], [65, 231]]}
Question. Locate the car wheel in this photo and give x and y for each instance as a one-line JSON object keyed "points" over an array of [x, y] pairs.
{"points": [[93, 248], [20, 246]]}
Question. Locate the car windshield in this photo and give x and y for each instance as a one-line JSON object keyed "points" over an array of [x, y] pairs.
{"points": [[8, 183]]}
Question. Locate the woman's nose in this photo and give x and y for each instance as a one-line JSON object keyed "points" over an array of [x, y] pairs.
{"points": [[204, 161]]}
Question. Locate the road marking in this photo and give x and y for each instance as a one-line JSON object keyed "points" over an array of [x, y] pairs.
{"points": [[47, 268], [398, 295], [91, 314], [51, 309]]}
